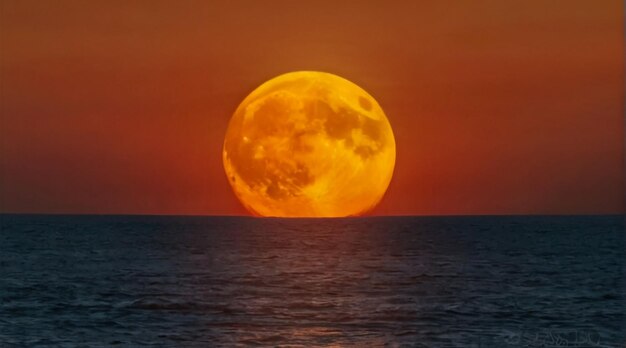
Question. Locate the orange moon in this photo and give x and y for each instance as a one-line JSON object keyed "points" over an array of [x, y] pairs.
{"points": [[309, 144]]}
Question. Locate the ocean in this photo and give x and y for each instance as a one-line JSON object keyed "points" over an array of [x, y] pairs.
{"points": [[169, 281]]}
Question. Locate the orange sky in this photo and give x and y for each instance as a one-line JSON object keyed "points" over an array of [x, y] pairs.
{"points": [[498, 107]]}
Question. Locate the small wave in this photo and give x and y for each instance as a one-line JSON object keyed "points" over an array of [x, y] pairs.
{"points": [[167, 305], [311, 305], [264, 341]]}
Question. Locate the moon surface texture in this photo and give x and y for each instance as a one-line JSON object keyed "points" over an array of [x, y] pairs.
{"points": [[309, 144]]}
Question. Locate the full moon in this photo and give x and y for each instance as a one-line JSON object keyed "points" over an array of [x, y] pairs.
{"points": [[309, 144]]}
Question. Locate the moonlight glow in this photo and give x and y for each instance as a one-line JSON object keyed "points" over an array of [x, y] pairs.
{"points": [[309, 144]]}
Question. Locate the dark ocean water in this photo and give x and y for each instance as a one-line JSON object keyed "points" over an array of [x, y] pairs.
{"points": [[389, 281]]}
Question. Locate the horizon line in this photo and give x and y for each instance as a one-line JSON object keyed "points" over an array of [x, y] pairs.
{"points": [[330, 217]]}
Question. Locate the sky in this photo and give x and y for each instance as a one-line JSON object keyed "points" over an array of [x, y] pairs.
{"points": [[498, 107]]}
